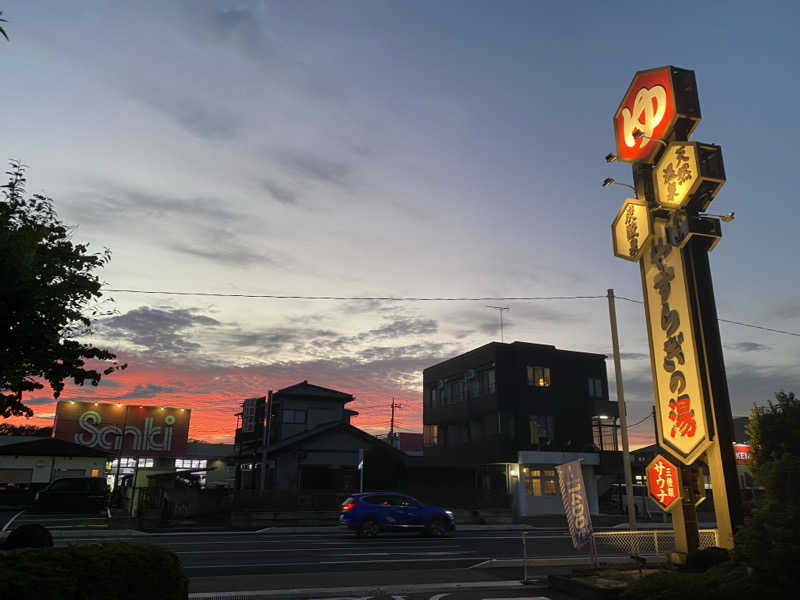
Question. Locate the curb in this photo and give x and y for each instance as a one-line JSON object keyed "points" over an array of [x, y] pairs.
{"points": [[566, 561]]}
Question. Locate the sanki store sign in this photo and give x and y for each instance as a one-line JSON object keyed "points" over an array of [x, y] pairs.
{"points": [[133, 430]]}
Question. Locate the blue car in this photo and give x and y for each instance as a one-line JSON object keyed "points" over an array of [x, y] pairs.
{"points": [[370, 513]]}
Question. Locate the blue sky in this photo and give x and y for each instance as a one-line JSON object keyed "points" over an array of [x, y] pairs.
{"points": [[391, 149]]}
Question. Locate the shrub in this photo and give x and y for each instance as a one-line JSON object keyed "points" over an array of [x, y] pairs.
{"points": [[112, 571], [704, 559], [722, 582], [31, 535], [769, 542]]}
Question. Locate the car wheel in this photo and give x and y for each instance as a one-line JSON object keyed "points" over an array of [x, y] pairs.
{"points": [[437, 528], [369, 528]]}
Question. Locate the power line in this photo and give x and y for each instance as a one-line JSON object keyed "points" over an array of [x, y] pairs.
{"points": [[418, 299], [382, 298], [640, 422], [721, 320]]}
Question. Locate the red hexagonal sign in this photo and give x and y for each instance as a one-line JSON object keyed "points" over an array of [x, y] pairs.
{"points": [[663, 483], [656, 100]]}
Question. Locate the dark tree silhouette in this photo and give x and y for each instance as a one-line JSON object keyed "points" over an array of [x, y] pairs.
{"points": [[48, 294], [3, 31]]}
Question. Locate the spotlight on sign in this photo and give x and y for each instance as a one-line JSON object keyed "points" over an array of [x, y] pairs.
{"points": [[611, 157], [640, 135]]}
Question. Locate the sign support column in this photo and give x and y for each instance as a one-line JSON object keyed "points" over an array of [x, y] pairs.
{"points": [[720, 456]]}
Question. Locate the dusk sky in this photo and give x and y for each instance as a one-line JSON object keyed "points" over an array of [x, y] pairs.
{"points": [[389, 149]]}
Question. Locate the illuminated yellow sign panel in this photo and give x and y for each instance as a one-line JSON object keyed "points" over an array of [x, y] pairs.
{"points": [[689, 172], [680, 404], [631, 230]]}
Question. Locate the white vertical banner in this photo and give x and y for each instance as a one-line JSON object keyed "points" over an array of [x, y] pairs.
{"points": [[576, 502]]}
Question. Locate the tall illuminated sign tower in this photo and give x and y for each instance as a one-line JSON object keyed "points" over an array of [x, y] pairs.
{"points": [[664, 231]]}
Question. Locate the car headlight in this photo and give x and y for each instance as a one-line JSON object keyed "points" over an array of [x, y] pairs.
{"points": [[449, 513]]}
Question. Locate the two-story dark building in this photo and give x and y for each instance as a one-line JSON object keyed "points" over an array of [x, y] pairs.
{"points": [[516, 410]]}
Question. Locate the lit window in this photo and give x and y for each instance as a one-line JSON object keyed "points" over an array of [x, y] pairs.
{"points": [[539, 376], [540, 482], [430, 435]]}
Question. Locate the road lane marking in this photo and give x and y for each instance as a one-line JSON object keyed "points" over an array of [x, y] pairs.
{"points": [[334, 563], [11, 520], [388, 589]]}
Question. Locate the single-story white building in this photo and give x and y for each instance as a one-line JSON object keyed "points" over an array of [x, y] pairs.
{"points": [[32, 462], [534, 482]]}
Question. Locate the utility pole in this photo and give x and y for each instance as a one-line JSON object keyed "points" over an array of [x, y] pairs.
{"points": [[623, 416], [500, 309], [391, 423], [265, 444]]}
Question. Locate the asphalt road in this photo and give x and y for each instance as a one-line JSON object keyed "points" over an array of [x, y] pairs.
{"points": [[234, 561], [233, 553]]}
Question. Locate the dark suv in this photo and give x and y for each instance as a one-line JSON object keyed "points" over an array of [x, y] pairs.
{"points": [[368, 514], [73, 494]]}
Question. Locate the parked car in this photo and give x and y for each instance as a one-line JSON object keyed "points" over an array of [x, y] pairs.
{"points": [[73, 494], [370, 513]]}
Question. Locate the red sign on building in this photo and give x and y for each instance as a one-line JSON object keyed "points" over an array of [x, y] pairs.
{"points": [[140, 430], [663, 483], [657, 100], [742, 454]]}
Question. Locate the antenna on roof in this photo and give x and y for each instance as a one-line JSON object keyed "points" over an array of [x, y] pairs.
{"points": [[500, 309]]}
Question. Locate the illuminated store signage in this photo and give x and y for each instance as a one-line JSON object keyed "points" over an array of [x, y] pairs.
{"points": [[680, 408], [140, 430], [663, 483], [689, 171], [631, 230], [656, 101]]}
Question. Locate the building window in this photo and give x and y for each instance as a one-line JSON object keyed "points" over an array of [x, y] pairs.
{"points": [[294, 416], [190, 463], [595, 387], [540, 481], [507, 425], [434, 397], [125, 463], [604, 432], [539, 376], [456, 391], [430, 435], [474, 387], [490, 377], [541, 430]]}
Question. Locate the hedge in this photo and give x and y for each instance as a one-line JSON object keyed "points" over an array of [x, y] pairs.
{"points": [[722, 582], [111, 571]]}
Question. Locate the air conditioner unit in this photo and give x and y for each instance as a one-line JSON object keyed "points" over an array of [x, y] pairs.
{"points": [[470, 374]]}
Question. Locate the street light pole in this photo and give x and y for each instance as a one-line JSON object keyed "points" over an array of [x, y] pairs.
{"points": [[623, 416]]}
